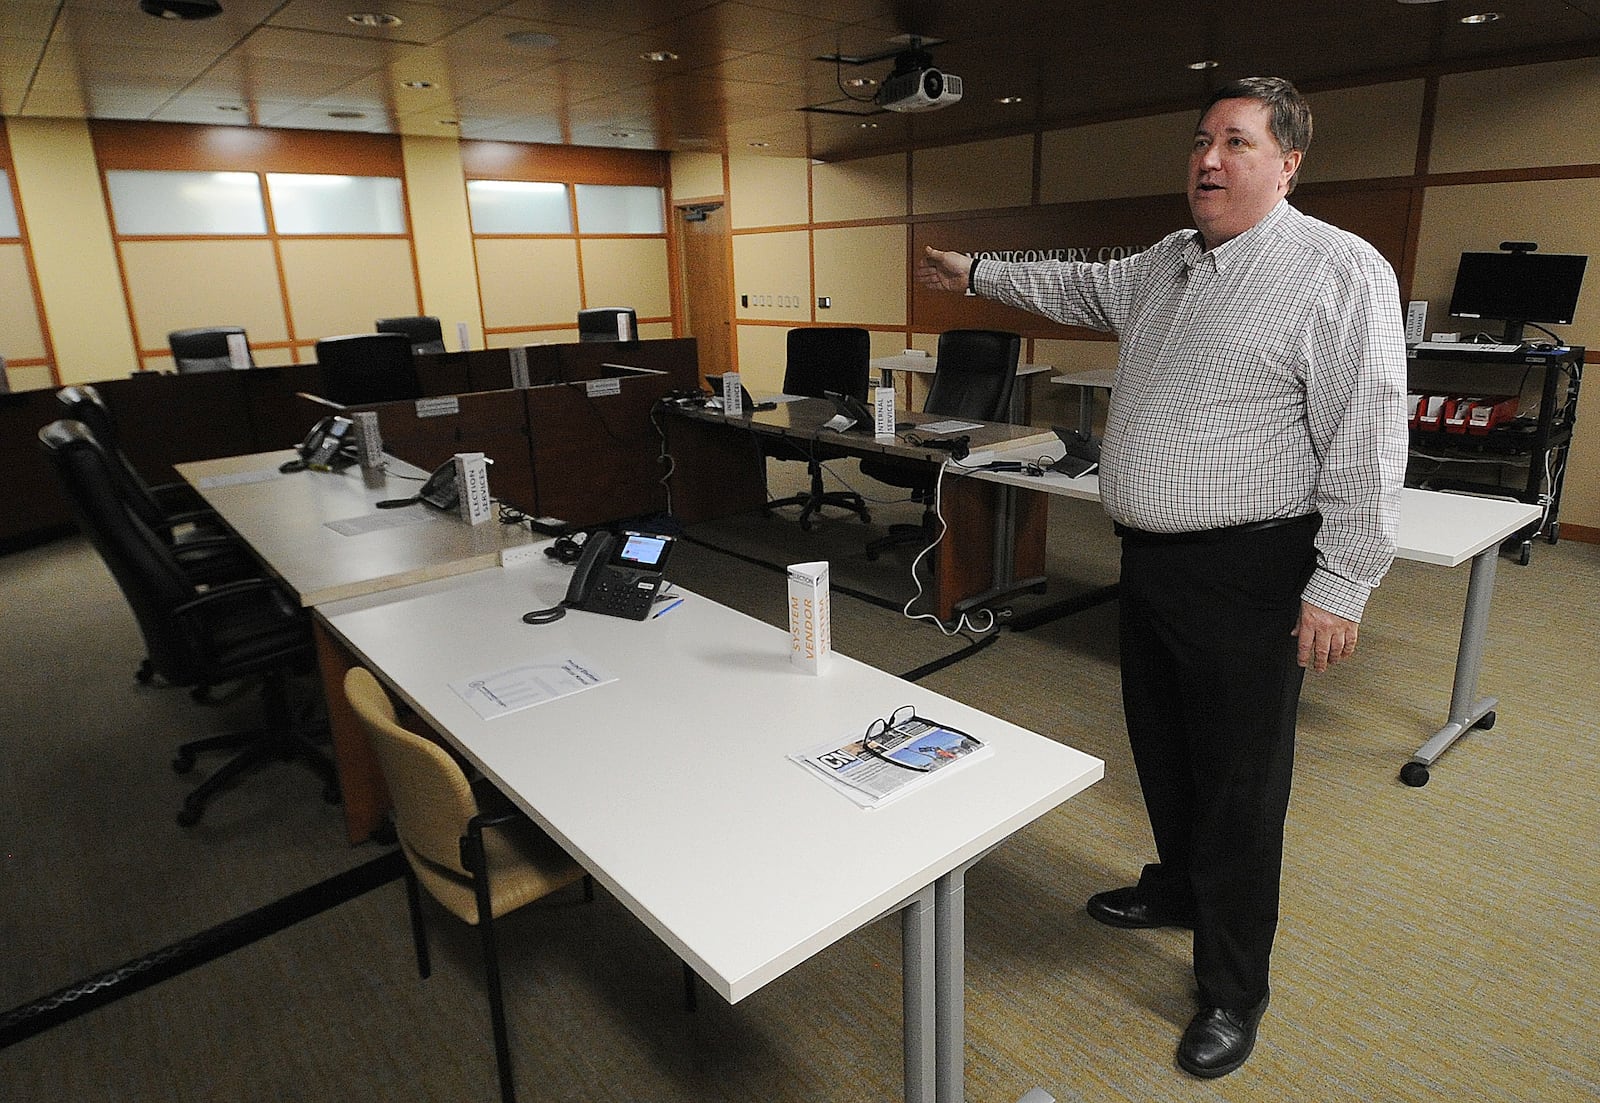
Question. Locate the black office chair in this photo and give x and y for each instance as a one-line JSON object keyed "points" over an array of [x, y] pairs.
{"points": [[821, 359], [972, 379], [362, 368], [204, 349], [608, 323], [195, 637], [205, 549], [423, 330]]}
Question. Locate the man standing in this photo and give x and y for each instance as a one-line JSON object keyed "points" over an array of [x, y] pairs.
{"points": [[1253, 457]]}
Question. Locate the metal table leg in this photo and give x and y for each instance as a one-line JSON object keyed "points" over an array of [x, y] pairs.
{"points": [[919, 995], [1467, 710], [949, 920]]}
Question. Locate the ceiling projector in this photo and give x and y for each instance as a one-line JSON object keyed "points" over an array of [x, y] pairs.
{"points": [[915, 85]]}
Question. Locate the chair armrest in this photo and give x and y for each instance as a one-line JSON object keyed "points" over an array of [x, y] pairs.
{"points": [[472, 857]]}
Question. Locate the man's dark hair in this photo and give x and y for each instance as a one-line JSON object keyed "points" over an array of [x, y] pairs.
{"points": [[1289, 114]]}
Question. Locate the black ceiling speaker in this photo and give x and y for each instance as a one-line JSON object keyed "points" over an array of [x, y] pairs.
{"points": [[181, 9]]}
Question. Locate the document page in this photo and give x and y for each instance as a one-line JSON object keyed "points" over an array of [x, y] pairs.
{"points": [[521, 687], [910, 755]]}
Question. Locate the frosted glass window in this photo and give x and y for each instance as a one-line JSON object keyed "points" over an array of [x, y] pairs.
{"points": [[612, 209], [8, 212], [518, 207], [304, 203], [161, 202]]}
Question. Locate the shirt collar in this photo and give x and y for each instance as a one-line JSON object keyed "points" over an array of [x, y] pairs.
{"points": [[1222, 256]]}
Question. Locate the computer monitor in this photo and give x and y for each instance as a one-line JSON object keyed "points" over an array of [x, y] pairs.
{"points": [[1517, 288]]}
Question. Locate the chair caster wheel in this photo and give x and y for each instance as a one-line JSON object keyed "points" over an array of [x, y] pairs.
{"points": [[188, 817], [183, 764], [1486, 721], [1414, 774]]}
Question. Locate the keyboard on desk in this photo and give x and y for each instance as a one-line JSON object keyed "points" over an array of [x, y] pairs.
{"points": [[1467, 347]]}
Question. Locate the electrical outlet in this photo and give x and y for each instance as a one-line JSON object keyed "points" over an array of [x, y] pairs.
{"points": [[522, 553]]}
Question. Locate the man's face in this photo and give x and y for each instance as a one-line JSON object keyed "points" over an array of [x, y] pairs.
{"points": [[1237, 170]]}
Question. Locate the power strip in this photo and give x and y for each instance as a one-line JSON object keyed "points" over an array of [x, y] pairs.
{"points": [[522, 553]]}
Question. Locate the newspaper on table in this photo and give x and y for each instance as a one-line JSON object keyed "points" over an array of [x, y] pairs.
{"points": [[911, 754]]}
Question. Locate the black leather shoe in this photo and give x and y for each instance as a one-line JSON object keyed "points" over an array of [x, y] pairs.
{"points": [[1124, 908], [1219, 1040]]}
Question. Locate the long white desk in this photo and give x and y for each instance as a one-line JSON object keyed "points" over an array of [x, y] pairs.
{"points": [[672, 787], [1099, 379], [285, 519], [1444, 529]]}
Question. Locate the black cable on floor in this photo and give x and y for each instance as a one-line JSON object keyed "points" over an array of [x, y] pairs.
{"points": [[151, 969], [951, 659]]}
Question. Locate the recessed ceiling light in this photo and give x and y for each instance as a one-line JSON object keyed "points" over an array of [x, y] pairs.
{"points": [[373, 19], [868, 126], [759, 145], [1481, 17], [229, 107], [622, 133], [416, 84], [449, 122], [347, 114], [860, 82], [532, 40], [181, 9], [659, 55], [1202, 65], [1009, 99]]}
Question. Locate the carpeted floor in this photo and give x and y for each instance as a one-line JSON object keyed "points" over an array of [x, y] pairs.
{"points": [[1440, 943]]}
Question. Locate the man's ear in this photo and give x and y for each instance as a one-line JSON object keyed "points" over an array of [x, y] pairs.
{"points": [[1291, 164]]}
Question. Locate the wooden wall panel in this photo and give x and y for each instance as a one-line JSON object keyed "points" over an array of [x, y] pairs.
{"points": [[772, 277], [767, 191], [872, 187], [975, 176], [528, 281], [139, 145], [862, 270], [21, 337], [342, 286], [176, 285], [1116, 160], [627, 272]]}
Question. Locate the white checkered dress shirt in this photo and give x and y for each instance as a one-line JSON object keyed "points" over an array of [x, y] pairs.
{"points": [[1265, 378]]}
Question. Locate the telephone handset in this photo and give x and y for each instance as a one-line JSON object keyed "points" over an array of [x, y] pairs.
{"points": [[619, 574], [322, 445]]}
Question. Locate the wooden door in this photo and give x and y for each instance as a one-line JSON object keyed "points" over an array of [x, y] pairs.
{"points": [[707, 301]]}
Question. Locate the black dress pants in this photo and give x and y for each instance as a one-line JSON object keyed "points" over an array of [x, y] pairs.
{"points": [[1210, 686]]}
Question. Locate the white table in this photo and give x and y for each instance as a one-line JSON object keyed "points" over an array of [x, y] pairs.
{"points": [[672, 787], [1100, 379], [285, 520], [1444, 529], [886, 366]]}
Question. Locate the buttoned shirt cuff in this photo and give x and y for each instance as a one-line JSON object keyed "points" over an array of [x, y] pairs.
{"points": [[972, 273], [1336, 595]]}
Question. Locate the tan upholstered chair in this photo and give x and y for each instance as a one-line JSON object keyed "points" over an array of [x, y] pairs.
{"points": [[478, 864]]}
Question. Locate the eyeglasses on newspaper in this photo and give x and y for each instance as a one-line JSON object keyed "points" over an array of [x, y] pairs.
{"points": [[888, 736]]}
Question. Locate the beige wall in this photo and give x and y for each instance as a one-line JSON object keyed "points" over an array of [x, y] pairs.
{"points": [[436, 197], [70, 236]]}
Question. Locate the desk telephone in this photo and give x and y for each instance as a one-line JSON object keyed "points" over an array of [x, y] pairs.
{"points": [[439, 491], [619, 574], [323, 446]]}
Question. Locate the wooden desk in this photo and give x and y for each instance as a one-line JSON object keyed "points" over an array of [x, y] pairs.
{"points": [[1439, 528], [685, 805], [718, 471], [285, 520]]}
